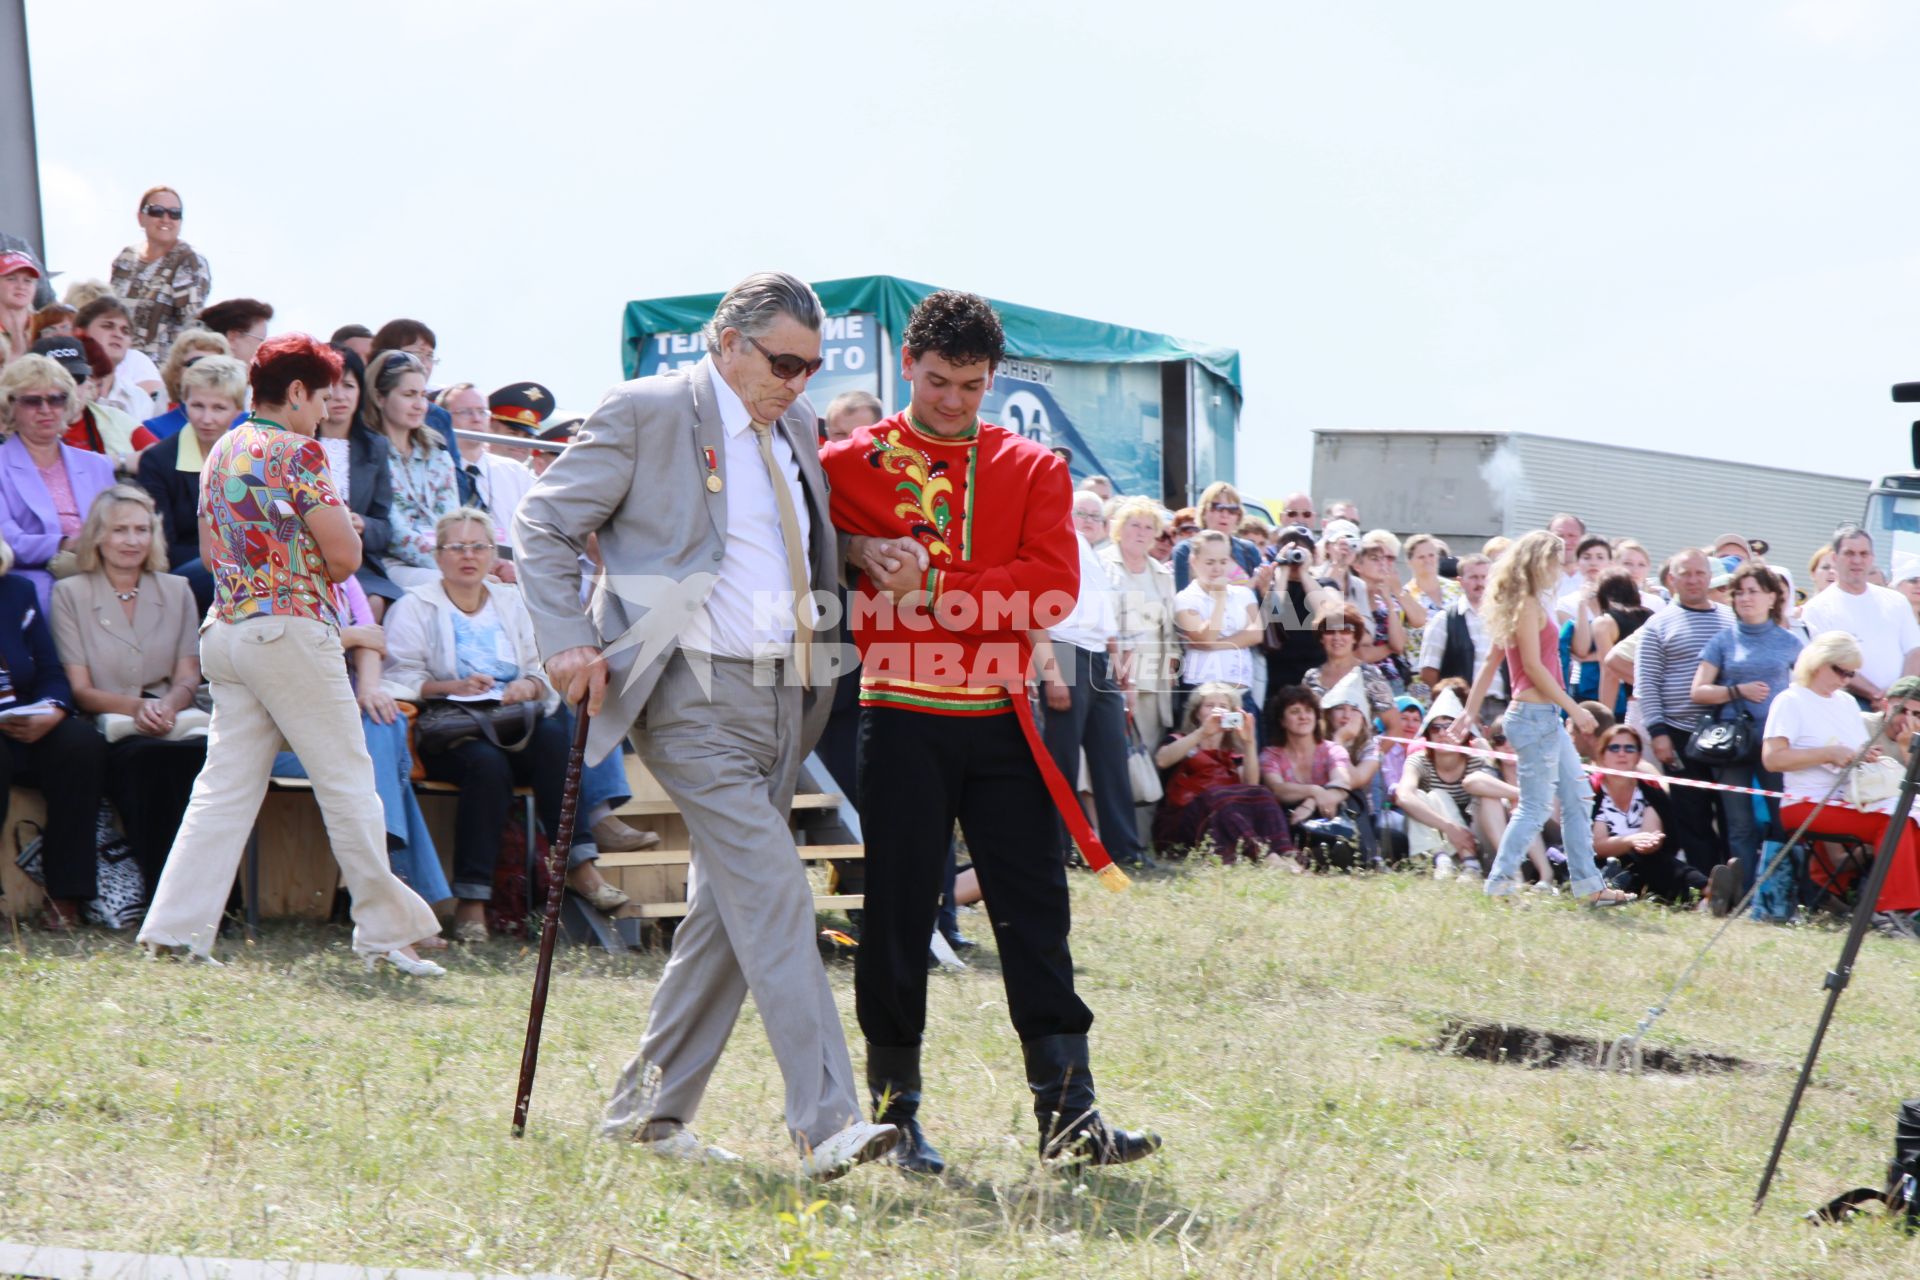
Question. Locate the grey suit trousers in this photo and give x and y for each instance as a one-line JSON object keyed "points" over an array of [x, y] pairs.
{"points": [[728, 756]]}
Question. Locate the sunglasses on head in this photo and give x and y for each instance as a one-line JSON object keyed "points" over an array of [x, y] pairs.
{"points": [[786, 366], [163, 211], [52, 400]]}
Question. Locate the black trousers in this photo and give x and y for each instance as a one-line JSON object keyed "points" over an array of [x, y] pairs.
{"points": [[918, 774], [66, 765], [486, 776], [150, 781], [1693, 813], [1662, 875], [1097, 724]]}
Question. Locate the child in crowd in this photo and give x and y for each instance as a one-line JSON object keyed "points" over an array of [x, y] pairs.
{"points": [[1219, 620]]}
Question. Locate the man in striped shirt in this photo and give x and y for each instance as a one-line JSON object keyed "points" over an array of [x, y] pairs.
{"points": [[1663, 683]]}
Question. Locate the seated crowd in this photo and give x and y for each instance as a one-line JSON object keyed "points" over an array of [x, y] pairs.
{"points": [[1287, 695], [110, 403]]}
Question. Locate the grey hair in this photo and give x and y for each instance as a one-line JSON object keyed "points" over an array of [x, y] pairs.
{"points": [[1846, 531], [752, 305]]}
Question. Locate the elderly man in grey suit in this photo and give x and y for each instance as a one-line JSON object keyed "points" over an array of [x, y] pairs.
{"points": [[710, 508]]}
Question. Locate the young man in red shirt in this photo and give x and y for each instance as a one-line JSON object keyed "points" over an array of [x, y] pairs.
{"points": [[962, 542]]}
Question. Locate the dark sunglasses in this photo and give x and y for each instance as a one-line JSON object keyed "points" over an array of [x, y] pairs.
{"points": [[1623, 748], [1164, 537], [163, 211], [54, 400], [1842, 672], [1224, 506], [1305, 515], [786, 366]]}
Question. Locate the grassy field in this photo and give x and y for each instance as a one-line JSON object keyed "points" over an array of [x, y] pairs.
{"points": [[1274, 1028]]}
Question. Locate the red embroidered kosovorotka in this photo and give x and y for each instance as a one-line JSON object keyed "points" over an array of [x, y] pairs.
{"points": [[993, 511]]}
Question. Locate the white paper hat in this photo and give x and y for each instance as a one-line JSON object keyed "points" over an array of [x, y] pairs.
{"points": [[1349, 691], [1445, 707]]}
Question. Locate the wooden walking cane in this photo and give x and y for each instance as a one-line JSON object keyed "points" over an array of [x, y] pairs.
{"points": [[550, 926]]}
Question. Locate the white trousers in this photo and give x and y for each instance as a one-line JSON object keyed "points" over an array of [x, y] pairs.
{"points": [[281, 679]]}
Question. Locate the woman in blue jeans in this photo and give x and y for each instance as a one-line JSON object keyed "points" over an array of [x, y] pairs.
{"points": [[1524, 636], [1749, 666]]}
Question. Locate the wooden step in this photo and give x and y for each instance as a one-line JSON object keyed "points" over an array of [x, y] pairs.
{"points": [[674, 910], [638, 807], [681, 857]]}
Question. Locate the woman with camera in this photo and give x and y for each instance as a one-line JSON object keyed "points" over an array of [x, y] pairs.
{"points": [[1214, 797], [469, 638]]}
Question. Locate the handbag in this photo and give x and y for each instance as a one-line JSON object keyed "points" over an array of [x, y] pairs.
{"points": [[1141, 771], [444, 724], [1874, 782], [120, 891], [1724, 741]]}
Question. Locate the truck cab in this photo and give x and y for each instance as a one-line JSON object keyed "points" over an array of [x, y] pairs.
{"points": [[1893, 504]]}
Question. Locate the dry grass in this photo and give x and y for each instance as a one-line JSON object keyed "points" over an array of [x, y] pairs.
{"points": [[1272, 1027]]}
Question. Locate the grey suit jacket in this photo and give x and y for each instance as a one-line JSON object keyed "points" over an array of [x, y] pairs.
{"points": [[636, 475]]}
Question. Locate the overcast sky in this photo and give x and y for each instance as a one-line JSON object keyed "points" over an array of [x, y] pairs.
{"points": [[1684, 226]]}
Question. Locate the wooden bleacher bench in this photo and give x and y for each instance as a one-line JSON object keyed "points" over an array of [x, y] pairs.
{"points": [[290, 871], [656, 879]]}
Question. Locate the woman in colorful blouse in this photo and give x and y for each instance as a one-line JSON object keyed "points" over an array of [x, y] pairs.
{"points": [[164, 282], [276, 538], [1213, 792], [394, 402]]}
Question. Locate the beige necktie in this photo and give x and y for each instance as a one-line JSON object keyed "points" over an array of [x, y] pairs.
{"points": [[796, 564]]}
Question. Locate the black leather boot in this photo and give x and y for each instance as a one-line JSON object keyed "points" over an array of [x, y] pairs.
{"points": [[1071, 1129], [893, 1079]]}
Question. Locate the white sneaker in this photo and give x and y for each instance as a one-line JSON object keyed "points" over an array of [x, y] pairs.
{"points": [[1470, 869], [682, 1145], [1443, 866], [943, 953], [856, 1144]]}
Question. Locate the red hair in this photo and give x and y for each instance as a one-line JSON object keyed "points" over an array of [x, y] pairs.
{"points": [[292, 357]]}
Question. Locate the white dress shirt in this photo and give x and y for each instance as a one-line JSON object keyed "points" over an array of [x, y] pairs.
{"points": [[501, 484], [1094, 620], [750, 613]]}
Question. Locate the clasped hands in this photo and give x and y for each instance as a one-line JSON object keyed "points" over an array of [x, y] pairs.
{"points": [[897, 567]]}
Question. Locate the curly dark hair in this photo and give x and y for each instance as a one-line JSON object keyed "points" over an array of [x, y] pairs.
{"points": [[960, 327]]}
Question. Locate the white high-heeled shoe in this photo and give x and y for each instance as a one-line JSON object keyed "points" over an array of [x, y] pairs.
{"points": [[406, 964]]}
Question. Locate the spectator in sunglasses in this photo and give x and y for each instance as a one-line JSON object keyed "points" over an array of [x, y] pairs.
{"points": [[1220, 509], [163, 281], [1298, 509], [46, 487], [1813, 734], [96, 428], [1628, 829]]}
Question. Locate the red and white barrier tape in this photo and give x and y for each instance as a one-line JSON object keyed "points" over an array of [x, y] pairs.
{"points": [[1663, 779]]}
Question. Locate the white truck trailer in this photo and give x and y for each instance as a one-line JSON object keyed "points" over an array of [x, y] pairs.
{"points": [[1467, 486]]}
